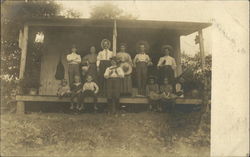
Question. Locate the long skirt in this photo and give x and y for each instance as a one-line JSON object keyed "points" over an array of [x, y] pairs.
{"points": [[113, 88], [166, 72], [92, 71], [126, 85], [73, 70], [104, 64], [141, 74]]}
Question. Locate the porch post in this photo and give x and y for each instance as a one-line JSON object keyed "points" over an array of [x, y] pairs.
{"points": [[202, 54], [177, 56], [24, 45]]}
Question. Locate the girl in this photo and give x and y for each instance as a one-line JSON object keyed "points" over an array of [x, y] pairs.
{"points": [[64, 89], [76, 92], [152, 92], [126, 65], [141, 62], [113, 74]]}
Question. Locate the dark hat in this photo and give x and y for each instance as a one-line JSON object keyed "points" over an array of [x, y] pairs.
{"points": [[152, 77], [142, 42], [123, 44], [169, 47], [105, 40]]}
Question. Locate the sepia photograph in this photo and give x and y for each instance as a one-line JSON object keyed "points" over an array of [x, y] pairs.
{"points": [[124, 78]]}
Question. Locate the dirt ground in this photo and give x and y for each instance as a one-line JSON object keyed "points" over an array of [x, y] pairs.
{"points": [[146, 134]]}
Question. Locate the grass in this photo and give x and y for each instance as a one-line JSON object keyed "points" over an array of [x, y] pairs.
{"points": [[131, 134]]}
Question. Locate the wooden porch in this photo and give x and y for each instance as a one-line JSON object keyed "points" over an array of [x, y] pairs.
{"points": [[21, 99]]}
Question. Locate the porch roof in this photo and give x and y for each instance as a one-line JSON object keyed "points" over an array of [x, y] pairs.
{"points": [[182, 28]]}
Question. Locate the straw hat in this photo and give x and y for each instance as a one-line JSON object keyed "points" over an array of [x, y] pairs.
{"points": [[126, 67], [105, 40], [169, 47]]}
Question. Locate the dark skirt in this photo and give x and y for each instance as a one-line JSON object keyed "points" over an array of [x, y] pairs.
{"points": [[104, 64], [113, 88], [166, 72], [126, 85], [92, 71]]}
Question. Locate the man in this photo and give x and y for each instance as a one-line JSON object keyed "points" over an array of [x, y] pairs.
{"points": [[103, 62], [73, 60]]}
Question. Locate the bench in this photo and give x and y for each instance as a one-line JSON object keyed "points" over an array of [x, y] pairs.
{"points": [[21, 99]]}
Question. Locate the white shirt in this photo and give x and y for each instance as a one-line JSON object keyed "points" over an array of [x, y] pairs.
{"points": [[167, 60], [90, 86], [142, 57], [114, 72], [104, 55], [73, 58]]}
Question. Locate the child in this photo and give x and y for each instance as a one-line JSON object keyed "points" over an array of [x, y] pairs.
{"points": [[113, 74], [167, 95], [179, 89], [64, 90], [89, 89], [73, 60], [76, 89], [141, 62], [152, 92]]}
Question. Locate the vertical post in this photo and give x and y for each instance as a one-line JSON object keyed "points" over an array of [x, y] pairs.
{"points": [[202, 53], [20, 107], [177, 55], [114, 37], [24, 45]]}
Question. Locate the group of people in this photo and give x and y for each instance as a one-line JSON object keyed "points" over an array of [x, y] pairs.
{"points": [[109, 74]]}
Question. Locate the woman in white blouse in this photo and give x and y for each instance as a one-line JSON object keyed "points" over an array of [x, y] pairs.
{"points": [[166, 65]]}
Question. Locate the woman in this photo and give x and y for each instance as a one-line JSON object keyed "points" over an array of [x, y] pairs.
{"points": [[126, 65], [103, 62], [113, 74], [91, 59], [167, 64]]}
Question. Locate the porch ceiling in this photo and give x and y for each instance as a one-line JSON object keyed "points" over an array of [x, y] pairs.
{"points": [[182, 28]]}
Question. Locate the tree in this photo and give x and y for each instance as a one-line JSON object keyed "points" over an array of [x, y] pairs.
{"points": [[109, 11]]}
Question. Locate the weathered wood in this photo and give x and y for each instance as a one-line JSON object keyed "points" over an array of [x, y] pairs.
{"points": [[20, 107], [130, 100], [23, 45], [177, 55]]}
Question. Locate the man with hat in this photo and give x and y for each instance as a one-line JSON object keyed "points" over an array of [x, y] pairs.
{"points": [[166, 64], [103, 61]]}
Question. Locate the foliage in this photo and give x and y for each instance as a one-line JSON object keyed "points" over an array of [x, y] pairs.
{"points": [[71, 13], [109, 11], [193, 73]]}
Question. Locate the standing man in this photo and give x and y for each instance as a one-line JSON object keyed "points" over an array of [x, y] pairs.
{"points": [[73, 60], [103, 62]]}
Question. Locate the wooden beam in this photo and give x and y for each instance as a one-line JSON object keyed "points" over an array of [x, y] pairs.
{"points": [[130, 100], [24, 45], [20, 107], [177, 55], [201, 44]]}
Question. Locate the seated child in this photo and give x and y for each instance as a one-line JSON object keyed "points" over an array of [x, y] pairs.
{"points": [[152, 92], [76, 90], [63, 90], [89, 89], [167, 95], [179, 91]]}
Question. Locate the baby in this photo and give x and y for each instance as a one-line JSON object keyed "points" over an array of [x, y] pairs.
{"points": [[63, 90]]}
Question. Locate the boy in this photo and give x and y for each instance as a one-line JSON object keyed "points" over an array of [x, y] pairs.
{"points": [[152, 92], [73, 60], [141, 62], [113, 74], [167, 95], [89, 89], [76, 90], [63, 90]]}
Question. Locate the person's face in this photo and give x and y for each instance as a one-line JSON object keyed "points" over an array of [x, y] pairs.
{"points": [[151, 81], [113, 62], [77, 79], [122, 48], [182, 80], [89, 79], [92, 50], [105, 45], [166, 52], [73, 50], [142, 48], [166, 81]]}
